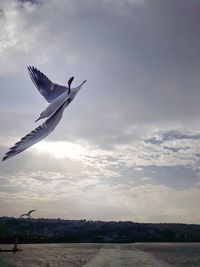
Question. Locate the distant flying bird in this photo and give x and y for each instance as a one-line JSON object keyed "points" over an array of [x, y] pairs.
{"points": [[27, 214], [59, 98]]}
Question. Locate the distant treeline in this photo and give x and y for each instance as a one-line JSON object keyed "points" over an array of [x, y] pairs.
{"points": [[62, 231]]}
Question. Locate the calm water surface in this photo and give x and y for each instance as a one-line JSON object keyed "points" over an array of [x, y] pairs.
{"points": [[103, 255]]}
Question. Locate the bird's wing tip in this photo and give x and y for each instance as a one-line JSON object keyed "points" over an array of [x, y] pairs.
{"points": [[30, 67], [9, 154], [4, 158]]}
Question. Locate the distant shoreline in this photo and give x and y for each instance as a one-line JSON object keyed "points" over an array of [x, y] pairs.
{"points": [[56, 231]]}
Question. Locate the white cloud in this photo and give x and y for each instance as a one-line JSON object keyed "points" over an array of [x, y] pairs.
{"points": [[26, 36], [137, 90], [165, 154], [146, 178], [138, 154], [99, 198]]}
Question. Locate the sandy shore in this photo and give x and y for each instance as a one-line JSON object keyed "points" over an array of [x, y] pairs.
{"points": [[104, 255]]}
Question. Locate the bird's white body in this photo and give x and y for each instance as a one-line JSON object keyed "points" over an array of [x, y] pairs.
{"points": [[57, 103], [53, 106]]}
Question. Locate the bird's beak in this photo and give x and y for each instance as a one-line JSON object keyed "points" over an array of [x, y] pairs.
{"points": [[37, 119]]}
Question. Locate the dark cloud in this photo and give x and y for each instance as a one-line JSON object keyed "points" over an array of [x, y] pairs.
{"points": [[30, 1], [172, 135]]}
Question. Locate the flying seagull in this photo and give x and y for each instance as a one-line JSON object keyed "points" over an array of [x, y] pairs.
{"points": [[28, 214], [59, 98]]}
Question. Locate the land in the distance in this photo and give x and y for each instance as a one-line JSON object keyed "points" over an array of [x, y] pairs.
{"points": [[82, 231]]}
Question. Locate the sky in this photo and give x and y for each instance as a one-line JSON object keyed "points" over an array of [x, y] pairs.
{"points": [[128, 146]]}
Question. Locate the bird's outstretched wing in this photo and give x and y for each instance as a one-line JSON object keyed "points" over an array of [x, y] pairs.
{"points": [[31, 211], [45, 86], [38, 134]]}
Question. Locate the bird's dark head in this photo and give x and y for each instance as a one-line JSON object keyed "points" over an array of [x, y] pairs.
{"points": [[70, 81], [69, 84]]}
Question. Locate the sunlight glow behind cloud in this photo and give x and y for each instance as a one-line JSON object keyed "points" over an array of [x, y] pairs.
{"points": [[62, 149]]}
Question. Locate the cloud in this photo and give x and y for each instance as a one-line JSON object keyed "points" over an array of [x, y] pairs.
{"points": [[172, 135], [154, 203], [146, 178], [132, 133]]}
